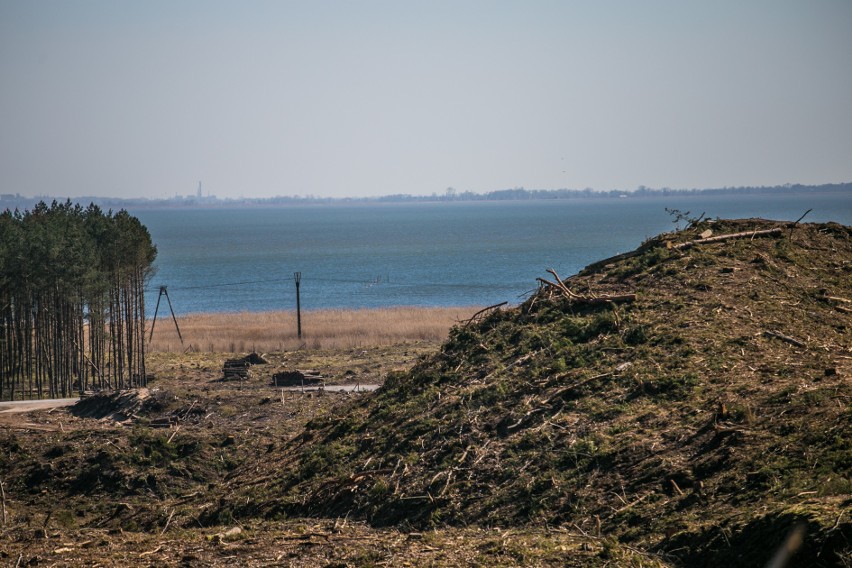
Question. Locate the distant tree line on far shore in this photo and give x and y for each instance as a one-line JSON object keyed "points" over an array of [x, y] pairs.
{"points": [[520, 193], [72, 307], [11, 201]]}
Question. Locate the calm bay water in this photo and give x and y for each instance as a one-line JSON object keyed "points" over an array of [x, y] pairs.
{"points": [[426, 254]]}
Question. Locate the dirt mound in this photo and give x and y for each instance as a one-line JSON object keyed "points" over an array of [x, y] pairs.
{"points": [[711, 409]]}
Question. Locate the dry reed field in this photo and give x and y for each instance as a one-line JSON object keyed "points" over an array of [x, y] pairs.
{"points": [[321, 329]]}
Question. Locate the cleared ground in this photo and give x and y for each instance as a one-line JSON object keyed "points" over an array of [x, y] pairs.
{"points": [[96, 487]]}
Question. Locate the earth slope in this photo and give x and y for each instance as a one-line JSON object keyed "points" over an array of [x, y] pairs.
{"points": [[703, 421]]}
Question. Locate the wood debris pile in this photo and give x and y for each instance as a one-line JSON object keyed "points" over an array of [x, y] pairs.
{"points": [[239, 369], [559, 288], [303, 377], [119, 405]]}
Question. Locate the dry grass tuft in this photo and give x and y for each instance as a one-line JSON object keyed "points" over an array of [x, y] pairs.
{"points": [[322, 329]]}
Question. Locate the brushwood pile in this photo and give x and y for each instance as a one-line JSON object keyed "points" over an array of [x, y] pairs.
{"points": [[702, 421]]}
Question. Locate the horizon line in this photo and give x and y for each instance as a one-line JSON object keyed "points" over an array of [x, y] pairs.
{"points": [[450, 194]]}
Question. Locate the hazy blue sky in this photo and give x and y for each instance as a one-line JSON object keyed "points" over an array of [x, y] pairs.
{"points": [[333, 98]]}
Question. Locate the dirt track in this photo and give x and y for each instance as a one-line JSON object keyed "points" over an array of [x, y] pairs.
{"points": [[18, 406]]}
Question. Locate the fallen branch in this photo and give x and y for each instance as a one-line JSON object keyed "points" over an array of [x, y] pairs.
{"points": [[782, 337], [306, 536], [169, 520], [187, 498], [591, 300], [802, 217], [577, 385], [416, 497], [512, 427], [793, 226], [186, 414], [169, 441], [3, 500], [835, 300], [561, 285], [567, 292], [89, 361], [695, 222], [355, 477], [482, 311], [150, 552], [745, 235], [632, 503], [609, 299]]}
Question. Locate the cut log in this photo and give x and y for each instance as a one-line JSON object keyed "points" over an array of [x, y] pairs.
{"points": [[236, 370], [782, 337], [745, 235]]}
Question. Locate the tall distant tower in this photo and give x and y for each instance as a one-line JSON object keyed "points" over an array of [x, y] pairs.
{"points": [[199, 189]]}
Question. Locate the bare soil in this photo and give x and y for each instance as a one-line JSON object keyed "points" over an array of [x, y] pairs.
{"points": [[97, 485]]}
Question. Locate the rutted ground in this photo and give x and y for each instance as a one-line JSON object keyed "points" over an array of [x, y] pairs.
{"points": [[697, 424]]}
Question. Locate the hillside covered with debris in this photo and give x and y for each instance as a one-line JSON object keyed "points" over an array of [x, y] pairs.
{"points": [[690, 399]]}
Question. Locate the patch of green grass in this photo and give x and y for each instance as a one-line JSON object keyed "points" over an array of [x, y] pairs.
{"points": [[636, 335], [153, 449], [329, 458], [670, 386]]}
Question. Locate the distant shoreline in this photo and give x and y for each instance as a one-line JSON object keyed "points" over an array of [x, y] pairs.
{"points": [[518, 194], [305, 311]]}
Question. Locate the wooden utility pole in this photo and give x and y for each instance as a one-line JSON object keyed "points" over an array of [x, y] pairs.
{"points": [[298, 277]]}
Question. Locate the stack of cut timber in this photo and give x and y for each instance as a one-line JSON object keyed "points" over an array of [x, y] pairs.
{"points": [[164, 422], [236, 370], [301, 377]]}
